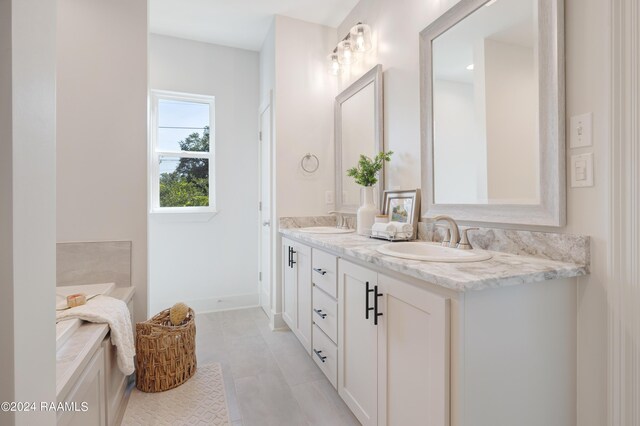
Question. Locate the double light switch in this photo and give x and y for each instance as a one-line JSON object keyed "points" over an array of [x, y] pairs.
{"points": [[580, 137]]}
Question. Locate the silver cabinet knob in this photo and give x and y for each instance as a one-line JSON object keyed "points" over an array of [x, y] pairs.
{"points": [[266, 223]]}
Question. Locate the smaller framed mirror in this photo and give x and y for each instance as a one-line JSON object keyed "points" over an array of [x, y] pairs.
{"points": [[358, 130], [492, 113]]}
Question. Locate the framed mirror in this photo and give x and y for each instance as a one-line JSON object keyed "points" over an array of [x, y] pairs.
{"points": [[492, 113], [358, 130]]}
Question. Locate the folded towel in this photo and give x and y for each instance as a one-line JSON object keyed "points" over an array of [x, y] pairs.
{"points": [[404, 228], [387, 228], [114, 312]]}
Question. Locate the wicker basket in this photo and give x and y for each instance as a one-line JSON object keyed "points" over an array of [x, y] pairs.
{"points": [[165, 354]]}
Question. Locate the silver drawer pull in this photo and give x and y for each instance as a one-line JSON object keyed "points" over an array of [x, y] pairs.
{"points": [[319, 312], [317, 352], [320, 271]]}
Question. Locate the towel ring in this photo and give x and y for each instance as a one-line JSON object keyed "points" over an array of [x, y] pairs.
{"points": [[304, 163]]}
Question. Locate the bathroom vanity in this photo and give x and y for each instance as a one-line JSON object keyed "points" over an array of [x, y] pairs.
{"points": [[87, 371], [408, 342]]}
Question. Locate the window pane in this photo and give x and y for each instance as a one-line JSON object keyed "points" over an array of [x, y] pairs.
{"points": [[184, 182], [171, 139], [182, 114], [183, 126]]}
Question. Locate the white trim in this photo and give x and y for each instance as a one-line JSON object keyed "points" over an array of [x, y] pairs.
{"points": [[217, 304], [155, 154], [264, 106], [624, 224]]}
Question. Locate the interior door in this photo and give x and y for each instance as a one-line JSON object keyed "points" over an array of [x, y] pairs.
{"points": [[265, 210], [357, 342]]}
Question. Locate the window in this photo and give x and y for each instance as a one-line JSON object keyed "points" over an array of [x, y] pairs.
{"points": [[182, 153]]}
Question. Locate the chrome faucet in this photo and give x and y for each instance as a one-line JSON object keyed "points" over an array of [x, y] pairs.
{"points": [[341, 223], [452, 237]]}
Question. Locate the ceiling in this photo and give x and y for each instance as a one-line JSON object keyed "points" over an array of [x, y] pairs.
{"points": [[238, 23]]}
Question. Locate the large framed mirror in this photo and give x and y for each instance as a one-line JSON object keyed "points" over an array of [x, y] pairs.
{"points": [[492, 113], [358, 130]]}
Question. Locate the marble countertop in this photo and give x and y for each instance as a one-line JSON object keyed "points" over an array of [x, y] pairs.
{"points": [[76, 352], [502, 270]]}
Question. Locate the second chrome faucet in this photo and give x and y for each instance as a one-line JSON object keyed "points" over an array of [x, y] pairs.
{"points": [[453, 238]]}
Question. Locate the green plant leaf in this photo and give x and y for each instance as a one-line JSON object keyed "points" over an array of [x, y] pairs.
{"points": [[366, 171]]}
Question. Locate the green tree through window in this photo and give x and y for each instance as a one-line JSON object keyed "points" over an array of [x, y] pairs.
{"points": [[188, 184]]}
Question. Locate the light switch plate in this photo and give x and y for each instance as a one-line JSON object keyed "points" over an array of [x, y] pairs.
{"points": [[582, 170], [581, 130]]}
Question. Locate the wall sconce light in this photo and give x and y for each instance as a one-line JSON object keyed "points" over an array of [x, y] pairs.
{"points": [[346, 54], [357, 41], [361, 36], [334, 65]]}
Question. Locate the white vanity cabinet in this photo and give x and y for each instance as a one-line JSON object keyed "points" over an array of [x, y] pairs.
{"points": [[296, 290], [405, 351], [393, 349], [357, 342]]}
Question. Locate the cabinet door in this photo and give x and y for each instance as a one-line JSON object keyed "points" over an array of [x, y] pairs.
{"points": [[413, 355], [289, 302], [89, 389], [357, 342], [303, 288]]}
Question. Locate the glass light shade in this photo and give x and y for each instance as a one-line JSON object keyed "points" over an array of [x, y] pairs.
{"points": [[334, 65], [346, 55], [361, 37]]}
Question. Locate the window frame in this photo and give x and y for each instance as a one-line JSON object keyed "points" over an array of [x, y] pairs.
{"points": [[155, 153]]}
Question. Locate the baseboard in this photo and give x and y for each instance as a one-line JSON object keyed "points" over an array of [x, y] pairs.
{"points": [[226, 303], [277, 322]]}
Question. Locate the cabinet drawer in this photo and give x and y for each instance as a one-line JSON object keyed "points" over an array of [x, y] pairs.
{"points": [[324, 272], [325, 313], [325, 348]]}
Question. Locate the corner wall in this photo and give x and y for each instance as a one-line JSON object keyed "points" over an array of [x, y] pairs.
{"points": [[102, 128], [27, 210], [304, 96], [213, 264], [293, 66]]}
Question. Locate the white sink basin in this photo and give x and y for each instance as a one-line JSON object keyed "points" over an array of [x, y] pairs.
{"points": [[65, 328], [432, 253], [325, 230]]}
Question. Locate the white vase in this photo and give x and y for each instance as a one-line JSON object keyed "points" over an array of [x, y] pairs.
{"points": [[367, 212]]}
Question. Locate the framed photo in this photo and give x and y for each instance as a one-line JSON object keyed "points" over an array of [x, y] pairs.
{"points": [[403, 206]]}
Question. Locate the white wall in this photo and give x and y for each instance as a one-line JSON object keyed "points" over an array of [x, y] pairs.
{"points": [[396, 26], [304, 96], [6, 208], [27, 212], [102, 128], [211, 265]]}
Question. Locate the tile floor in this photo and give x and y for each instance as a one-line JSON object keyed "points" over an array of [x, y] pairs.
{"points": [[269, 378]]}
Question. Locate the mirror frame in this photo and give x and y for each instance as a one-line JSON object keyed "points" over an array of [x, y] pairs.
{"points": [[374, 75], [551, 211]]}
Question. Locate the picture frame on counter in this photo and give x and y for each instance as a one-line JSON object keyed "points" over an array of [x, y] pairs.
{"points": [[402, 206]]}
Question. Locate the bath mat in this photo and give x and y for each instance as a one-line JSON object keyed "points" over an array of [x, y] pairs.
{"points": [[199, 401]]}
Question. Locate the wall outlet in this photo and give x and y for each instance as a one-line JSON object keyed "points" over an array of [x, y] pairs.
{"points": [[581, 130], [328, 197]]}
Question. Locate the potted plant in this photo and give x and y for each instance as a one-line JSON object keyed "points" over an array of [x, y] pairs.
{"points": [[366, 175]]}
